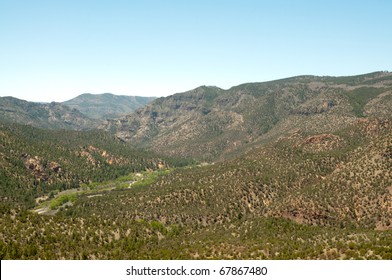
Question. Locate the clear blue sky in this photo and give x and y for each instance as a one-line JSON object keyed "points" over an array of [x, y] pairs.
{"points": [[54, 50]]}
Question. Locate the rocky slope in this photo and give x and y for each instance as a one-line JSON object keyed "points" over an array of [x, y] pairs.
{"points": [[210, 123]]}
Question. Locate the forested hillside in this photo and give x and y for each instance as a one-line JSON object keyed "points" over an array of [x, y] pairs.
{"points": [[35, 162]]}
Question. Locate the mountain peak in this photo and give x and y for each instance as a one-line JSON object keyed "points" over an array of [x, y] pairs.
{"points": [[106, 105]]}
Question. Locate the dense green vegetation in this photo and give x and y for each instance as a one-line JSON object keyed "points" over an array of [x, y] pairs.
{"points": [[57, 199]]}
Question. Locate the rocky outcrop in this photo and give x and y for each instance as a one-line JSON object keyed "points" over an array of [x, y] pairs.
{"points": [[96, 156], [41, 169], [322, 142]]}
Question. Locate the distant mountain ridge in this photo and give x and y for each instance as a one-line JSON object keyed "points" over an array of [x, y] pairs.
{"points": [[43, 115], [106, 105], [84, 112]]}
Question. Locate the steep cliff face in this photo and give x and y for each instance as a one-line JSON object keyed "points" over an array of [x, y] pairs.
{"points": [[209, 122]]}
